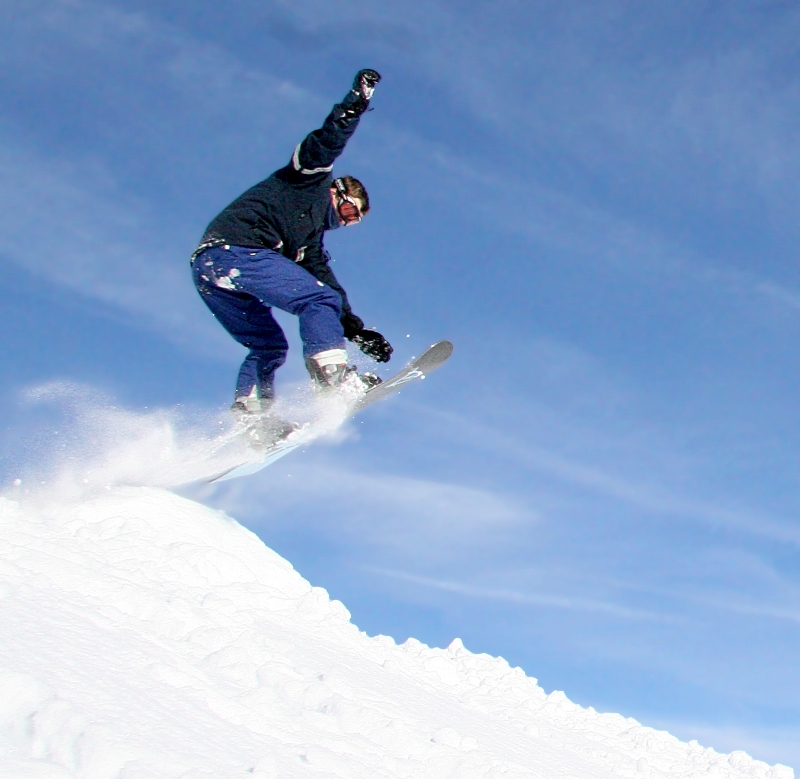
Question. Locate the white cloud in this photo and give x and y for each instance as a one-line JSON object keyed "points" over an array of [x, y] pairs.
{"points": [[569, 603], [104, 242], [71, 218], [96, 242], [433, 520], [630, 472]]}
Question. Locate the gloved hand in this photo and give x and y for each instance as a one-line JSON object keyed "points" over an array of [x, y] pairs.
{"points": [[357, 99], [373, 344], [364, 83]]}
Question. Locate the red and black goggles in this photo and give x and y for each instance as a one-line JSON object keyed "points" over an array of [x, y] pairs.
{"points": [[347, 208]]}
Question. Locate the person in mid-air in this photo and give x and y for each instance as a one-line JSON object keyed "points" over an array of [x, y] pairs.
{"points": [[265, 250]]}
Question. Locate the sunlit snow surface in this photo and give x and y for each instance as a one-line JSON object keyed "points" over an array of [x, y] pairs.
{"points": [[144, 636]]}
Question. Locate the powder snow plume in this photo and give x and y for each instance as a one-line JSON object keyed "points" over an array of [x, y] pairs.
{"points": [[92, 444]]}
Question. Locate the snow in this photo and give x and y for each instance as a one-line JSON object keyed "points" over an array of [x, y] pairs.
{"points": [[145, 636], [106, 445]]}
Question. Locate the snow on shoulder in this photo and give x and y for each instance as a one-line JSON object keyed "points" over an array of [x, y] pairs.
{"points": [[143, 636]]}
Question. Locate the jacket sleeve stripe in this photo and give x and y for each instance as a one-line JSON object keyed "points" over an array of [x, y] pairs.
{"points": [[309, 171]]}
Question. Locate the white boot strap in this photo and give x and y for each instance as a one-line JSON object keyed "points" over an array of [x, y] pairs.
{"points": [[251, 402], [330, 357]]}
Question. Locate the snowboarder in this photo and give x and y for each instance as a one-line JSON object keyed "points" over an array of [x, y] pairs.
{"points": [[265, 250]]}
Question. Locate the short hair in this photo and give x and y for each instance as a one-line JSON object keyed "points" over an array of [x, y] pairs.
{"points": [[355, 188]]}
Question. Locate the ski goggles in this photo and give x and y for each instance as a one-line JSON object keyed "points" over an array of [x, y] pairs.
{"points": [[347, 208]]}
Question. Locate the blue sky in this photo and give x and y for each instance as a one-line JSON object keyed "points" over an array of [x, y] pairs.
{"points": [[595, 202]]}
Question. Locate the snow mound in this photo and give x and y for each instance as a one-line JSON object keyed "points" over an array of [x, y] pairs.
{"points": [[143, 636]]}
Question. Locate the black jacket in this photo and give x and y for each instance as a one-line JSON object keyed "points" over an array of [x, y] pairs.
{"points": [[287, 211]]}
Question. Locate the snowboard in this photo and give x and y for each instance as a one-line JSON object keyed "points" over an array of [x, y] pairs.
{"points": [[416, 370]]}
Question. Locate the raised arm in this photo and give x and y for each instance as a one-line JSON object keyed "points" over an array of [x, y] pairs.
{"points": [[316, 154]]}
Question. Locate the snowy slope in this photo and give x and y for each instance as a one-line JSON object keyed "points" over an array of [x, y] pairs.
{"points": [[144, 636]]}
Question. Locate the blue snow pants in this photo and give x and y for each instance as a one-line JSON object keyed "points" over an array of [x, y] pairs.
{"points": [[241, 284]]}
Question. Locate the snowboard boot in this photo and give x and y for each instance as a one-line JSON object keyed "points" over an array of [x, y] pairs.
{"points": [[260, 425], [329, 370]]}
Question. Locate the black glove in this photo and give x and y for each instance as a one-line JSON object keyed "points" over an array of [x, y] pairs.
{"points": [[357, 99], [364, 83], [373, 344]]}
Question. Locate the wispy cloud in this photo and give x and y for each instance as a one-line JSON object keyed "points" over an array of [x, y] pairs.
{"points": [[432, 519], [77, 219], [737, 606], [524, 598], [97, 243], [736, 581], [111, 244], [649, 497], [556, 220]]}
